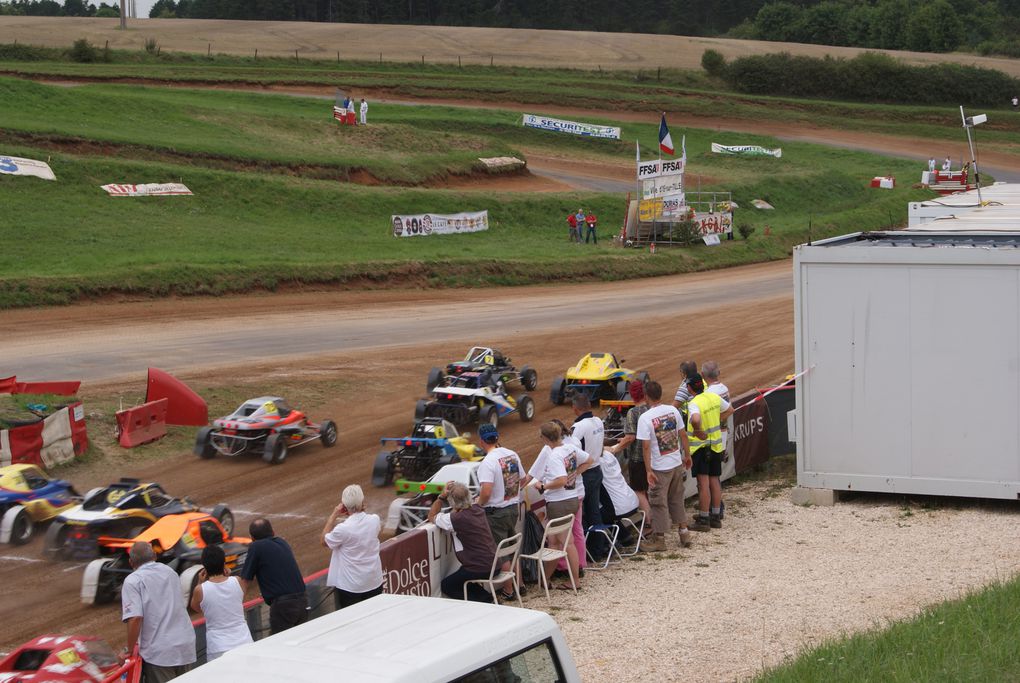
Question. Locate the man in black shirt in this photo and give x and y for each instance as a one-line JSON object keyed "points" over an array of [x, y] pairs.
{"points": [[271, 561]]}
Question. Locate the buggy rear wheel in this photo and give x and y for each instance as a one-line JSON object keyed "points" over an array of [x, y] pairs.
{"points": [[421, 409], [189, 581], [435, 377], [327, 433], [529, 378], [55, 542], [557, 392], [225, 517], [382, 472], [526, 408], [488, 414], [203, 444], [98, 584], [18, 524], [276, 449]]}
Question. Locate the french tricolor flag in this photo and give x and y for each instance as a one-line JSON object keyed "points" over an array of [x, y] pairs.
{"points": [[665, 141]]}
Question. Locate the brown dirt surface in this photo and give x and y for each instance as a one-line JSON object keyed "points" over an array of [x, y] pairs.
{"points": [[750, 340], [507, 47]]}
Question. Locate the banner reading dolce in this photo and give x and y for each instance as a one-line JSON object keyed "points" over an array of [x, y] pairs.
{"points": [[439, 224], [147, 190], [746, 150], [587, 129]]}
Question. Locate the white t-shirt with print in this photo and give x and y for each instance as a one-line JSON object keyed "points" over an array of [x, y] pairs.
{"points": [[660, 426], [623, 497], [579, 483], [553, 463], [502, 468], [720, 390]]}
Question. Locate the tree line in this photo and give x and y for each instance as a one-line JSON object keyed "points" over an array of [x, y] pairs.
{"points": [[52, 8]]}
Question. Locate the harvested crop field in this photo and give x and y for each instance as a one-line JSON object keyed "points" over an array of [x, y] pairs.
{"points": [[505, 47]]}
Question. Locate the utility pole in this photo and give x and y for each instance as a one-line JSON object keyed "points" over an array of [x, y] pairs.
{"points": [[123, 14]]}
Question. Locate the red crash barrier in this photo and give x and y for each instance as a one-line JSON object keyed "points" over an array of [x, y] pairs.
{"points": [[7, 384], [11, 385], [142, 424], [185, 406]]}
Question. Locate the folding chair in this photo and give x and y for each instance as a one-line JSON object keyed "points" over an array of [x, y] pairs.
{"points": [[562, 525], [638, 527], [508, 546], [611, 532]]}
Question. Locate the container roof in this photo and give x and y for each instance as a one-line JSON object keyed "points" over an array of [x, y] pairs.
{"points": [[959, 240]]}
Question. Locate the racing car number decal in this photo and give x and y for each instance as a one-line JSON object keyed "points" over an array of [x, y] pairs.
{"points": [[269, 407], [114, 496], [489, 360], [68, 657], [439, 432]]}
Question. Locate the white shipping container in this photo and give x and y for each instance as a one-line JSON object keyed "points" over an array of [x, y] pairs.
{"points": [[912, 345]]}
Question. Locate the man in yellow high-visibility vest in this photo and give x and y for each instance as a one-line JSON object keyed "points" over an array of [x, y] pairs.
{"points": [[707, 412]]}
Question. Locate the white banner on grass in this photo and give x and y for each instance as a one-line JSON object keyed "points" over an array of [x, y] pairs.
{"points": [[746, 150], [713, 223], [147, 190], [659, 167], [17, 166], [418, 225], [560, 126]]}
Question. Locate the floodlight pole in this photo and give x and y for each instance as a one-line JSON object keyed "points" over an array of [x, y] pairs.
{"points": [[973, 155]]}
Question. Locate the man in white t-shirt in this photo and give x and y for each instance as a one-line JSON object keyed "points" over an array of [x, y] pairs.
{"points": [[364, 112], [710, 373], [590, 433], [664, 441], [156, 617], [499, 478]]}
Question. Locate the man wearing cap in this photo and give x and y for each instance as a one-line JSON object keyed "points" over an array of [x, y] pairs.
{"points": [[631, 447], [707, 411], [499, 477]]}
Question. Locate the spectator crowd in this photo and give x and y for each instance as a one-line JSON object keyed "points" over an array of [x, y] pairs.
{"points": [[596, 497]]}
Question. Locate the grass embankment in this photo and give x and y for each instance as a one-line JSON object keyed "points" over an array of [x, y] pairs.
{"points": [[244, 231], [20, 409], [973, 639], [683, 92]]}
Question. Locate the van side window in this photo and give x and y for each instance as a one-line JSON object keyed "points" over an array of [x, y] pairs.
{"points": [[537, 664]]}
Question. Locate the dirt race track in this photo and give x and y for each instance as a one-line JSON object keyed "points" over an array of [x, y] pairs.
{"points": [[507, 47], [742, 318]]}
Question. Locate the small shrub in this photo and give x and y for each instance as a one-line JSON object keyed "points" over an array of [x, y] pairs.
{"points": [[713, 63], [83, 51], [685, 232], [151, 45], [745, 230]]}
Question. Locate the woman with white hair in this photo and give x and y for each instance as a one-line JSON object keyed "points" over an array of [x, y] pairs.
{"points": [[355, 570]]}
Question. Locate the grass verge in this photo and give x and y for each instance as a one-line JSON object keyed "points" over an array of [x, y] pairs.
{"points": [[972, 639]]}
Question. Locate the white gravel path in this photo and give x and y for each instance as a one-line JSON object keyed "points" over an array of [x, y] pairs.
{"points": [[779, 578]]}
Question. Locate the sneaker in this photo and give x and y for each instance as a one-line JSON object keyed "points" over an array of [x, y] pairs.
{"points": [[715, 521], [701, 524], [656, 544], [686, 540], [722, 509]]}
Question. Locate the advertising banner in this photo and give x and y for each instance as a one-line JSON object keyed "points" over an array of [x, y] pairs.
{"points": [[749, 432], [660, 167], [439, 224], [672, 206], [587, 129], [17, 166], [147, 190], [746, 150], [662, 186], [716, 223]]}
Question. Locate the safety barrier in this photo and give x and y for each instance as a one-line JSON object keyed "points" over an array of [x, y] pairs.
{"points": [[51, 441], [142, 424], [185, 407], [11, 385]]}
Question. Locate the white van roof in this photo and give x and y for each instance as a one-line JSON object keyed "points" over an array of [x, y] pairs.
{"points": [[389, 638]]}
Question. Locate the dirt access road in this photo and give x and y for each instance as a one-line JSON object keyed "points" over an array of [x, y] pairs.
{"points": [[740, 317]]}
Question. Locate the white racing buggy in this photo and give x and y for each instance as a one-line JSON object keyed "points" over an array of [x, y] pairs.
{"points": [[408, 512], [266, 425], [473, 397]]}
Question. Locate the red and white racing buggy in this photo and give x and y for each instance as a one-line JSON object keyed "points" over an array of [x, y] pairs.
{"points": [[266, 425]]}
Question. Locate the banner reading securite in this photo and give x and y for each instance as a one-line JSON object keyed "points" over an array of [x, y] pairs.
{"points": [[746, 150], [17, 166], [439, 224], [574, 127]]}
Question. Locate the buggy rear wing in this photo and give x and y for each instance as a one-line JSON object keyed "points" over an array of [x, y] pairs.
{"points": [[407, 441], [420, 487]]}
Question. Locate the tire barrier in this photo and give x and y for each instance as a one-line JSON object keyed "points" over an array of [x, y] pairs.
{"points": [[142, 424]]}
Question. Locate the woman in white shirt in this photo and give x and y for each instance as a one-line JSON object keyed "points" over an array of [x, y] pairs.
{"points": [[220, 599], [557, 470], [355, 570]]}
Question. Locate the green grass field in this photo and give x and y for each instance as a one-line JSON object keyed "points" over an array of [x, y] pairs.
{"points": [[254, 228], [685, 92], [973, 639]]}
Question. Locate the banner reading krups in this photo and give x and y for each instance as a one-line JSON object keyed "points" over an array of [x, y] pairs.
{"points": [[17, 166], [439, 224], [660, 167], [587, 129], [746, 150]]}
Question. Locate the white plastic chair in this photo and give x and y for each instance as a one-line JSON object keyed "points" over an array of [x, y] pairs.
{"points": [[507, 547], [555, 527], [611, 532], [639, 530]]}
